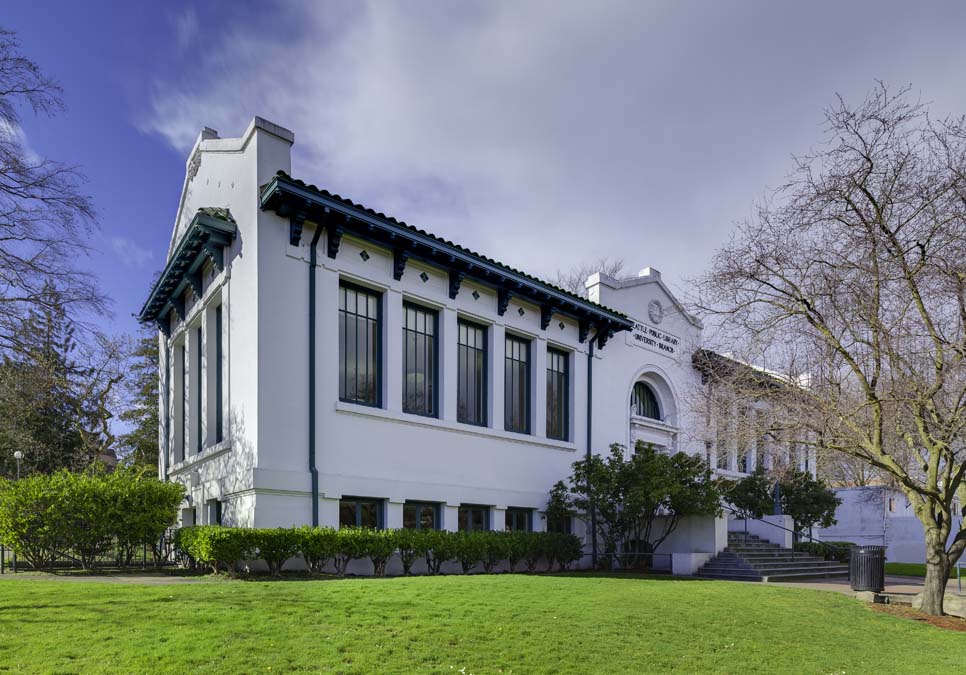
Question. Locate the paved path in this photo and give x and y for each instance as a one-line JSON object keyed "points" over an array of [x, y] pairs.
{"points": [[144, 579], [902, 586]]}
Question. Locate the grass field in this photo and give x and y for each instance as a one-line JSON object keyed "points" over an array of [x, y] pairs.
{"points": [[911, 570], [476, 624]]}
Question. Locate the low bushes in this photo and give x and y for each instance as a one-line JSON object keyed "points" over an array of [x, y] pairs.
{"points": [[85, 516], [222, 548], [839, 551]]}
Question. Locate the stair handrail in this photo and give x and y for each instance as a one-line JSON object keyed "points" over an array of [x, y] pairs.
{"points": [[745, 516]]}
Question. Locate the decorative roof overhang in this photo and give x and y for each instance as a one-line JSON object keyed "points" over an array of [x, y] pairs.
{"points": [[207, 236], [293, 199]]}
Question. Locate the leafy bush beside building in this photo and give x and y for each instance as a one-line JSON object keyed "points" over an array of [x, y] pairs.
{"points": [[223, 548], [84, 516]]}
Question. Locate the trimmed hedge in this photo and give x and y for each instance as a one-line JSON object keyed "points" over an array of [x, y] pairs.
{"points": [[88, 516], [841, 553], [223, 548]]}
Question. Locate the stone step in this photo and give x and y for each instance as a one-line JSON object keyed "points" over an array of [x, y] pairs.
{"points": [[711, 568], [747, 557], [765, 559], [843, 571], [785, 564]]}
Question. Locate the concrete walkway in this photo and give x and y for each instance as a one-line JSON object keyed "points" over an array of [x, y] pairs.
{"points": [[139, 578], [896, 586]]}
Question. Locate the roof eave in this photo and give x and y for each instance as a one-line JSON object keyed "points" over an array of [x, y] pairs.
{"points": [[286, 197]]}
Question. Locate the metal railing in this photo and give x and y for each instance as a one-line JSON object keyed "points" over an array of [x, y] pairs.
{"points": [[617, 560], [745, 517], [142, 557]]}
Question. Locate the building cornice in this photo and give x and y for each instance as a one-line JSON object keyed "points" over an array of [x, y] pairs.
{"points": [[210, 232], [299, 202]]}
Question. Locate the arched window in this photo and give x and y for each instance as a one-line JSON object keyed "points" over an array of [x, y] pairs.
{"points": [[644, 402]]}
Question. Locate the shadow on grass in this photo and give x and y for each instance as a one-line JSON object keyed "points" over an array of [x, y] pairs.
{"points": [[566, 574]]}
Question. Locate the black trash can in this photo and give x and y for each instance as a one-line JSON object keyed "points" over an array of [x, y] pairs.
{"points": [[867, 568]]}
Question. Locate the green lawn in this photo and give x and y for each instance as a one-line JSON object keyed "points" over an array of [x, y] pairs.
{"points": [[911, 570], [483, 624]]}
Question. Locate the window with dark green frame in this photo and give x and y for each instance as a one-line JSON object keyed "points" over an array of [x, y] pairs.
{"points": [[420, 358], [421, 516], [185, 418], [644, 402], [359, 345], [516, 383], [219, 379], [474, 518], [519, 520], [558, 394], [560, 525], [471, 369], [199, 440], [360, 512]]}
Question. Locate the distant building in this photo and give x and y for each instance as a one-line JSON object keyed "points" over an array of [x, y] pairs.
{"points": [[879, 515]]}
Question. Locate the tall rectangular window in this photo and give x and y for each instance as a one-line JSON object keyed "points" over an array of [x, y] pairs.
{"points": [[185, 417], [199, 441], [420, 516], [474, 518], [360, 512], [419, 360], [219, 379], [516, 395], [560, 524], [519, 520], [359, 353], [558, 394], [471, 380]]}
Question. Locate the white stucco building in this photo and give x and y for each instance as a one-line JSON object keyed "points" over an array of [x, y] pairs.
{"points": [[879, 515], [323, 363]]}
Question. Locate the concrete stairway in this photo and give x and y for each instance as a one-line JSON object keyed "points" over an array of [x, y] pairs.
{"points": [[750, 558]]}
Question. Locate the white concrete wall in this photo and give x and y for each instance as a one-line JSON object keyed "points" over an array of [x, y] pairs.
{"points": [[625, 361], [864, 517], [227, 173]]}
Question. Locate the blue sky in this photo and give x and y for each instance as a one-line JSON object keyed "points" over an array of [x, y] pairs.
{"points": [[540, 133]]}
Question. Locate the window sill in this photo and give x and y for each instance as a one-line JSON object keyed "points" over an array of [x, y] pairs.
{"points": [[208, 453], [454, 427], [649, 423]]}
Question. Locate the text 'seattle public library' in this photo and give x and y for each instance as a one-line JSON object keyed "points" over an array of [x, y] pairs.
{"points": [[322, 363]]}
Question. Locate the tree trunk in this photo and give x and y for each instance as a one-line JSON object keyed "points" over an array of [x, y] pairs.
{"points": [[937, 574]]}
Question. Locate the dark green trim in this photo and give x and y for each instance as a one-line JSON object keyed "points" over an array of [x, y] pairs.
{"points": [[377, 403], [210, 232], [588, 451], [219, 377], [434, 402], [199, 410], [527, 378], [168, 413], [313, 468], [287, 196]]}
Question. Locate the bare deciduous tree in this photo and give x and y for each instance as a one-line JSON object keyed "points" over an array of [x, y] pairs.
{"points": [[575, 278], [44, 215], [851, 282]]}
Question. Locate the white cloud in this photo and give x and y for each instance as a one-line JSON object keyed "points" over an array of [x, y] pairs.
{"points": [[185, 26], [129, 253], [14, 133], [544, 133]]}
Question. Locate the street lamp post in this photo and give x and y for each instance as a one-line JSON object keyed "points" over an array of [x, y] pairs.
{"points": [[18, 455]]}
